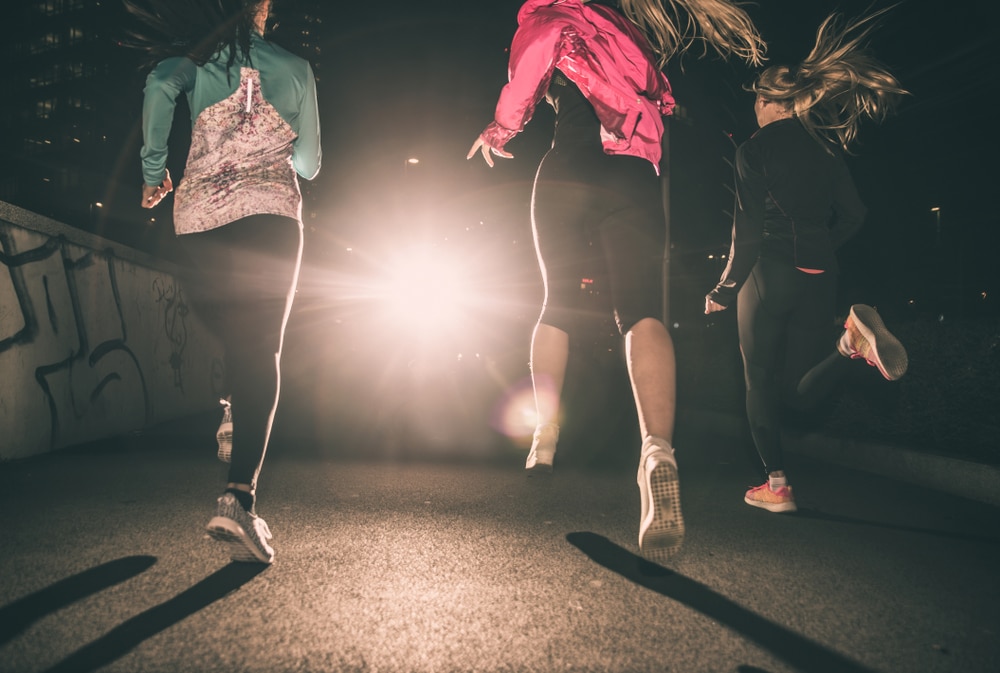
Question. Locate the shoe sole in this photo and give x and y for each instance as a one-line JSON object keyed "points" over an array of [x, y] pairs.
{"points": [[887, 352], [225, 439], [241, 547], [661, 534], [777, 507]]}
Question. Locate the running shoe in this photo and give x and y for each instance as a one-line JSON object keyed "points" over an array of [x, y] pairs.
{"points": [[543, 448], [866, 337], [661, 525], [224, 435], [779, 500], [246, 534]]}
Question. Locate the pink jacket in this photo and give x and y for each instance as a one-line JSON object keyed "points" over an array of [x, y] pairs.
{"points": [[605, 55]]}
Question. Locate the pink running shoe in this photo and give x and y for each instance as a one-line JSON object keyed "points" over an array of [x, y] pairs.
{"points": [[866, 337], [762, 496]]}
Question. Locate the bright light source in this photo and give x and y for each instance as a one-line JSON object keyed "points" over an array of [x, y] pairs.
{"points": [[426, 293], [413, 161]]}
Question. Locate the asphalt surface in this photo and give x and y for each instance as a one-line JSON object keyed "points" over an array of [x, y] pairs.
{"points": [[449, 565]]}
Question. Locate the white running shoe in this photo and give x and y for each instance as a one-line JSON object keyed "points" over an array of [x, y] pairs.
{"points": [[661, 527], [246, 534], [224, 435], [543, 448]]}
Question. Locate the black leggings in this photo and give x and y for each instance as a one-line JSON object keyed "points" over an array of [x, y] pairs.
{"points": [[786, 329], [242, 284], [589, 211]]}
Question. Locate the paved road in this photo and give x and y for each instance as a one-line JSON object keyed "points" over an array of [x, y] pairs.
{"points": [[450, 566]]}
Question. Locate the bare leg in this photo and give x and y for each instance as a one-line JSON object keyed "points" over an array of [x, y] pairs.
{"points": [[549, 355], [652, 369]]}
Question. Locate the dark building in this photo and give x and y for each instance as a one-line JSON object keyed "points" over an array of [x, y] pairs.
{"points": [[67, 113], [70, 123]]}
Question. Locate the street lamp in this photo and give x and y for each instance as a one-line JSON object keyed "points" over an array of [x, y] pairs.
{"points": [[95, 207]]}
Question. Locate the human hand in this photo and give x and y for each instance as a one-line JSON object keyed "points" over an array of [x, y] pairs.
{"points": [[151, 196], [712, 307], [481, 146]]}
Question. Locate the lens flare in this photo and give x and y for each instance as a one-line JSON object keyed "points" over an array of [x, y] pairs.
{"points": [[514, 415]]}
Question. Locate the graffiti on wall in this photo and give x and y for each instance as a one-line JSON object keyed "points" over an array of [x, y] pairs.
{"points": [[61, 311], [169, 295]]}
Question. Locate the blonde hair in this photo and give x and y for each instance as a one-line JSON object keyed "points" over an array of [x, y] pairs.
{"points": [[838, 85], [673, 26]]}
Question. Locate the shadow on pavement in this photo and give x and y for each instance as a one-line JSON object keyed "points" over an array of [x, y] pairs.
{"points": [[818, 515], [126, 636], [794, 649], [22, 613]]}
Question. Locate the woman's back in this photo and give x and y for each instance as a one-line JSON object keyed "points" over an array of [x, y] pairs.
{"points": [[810, 202], [254, 126]]}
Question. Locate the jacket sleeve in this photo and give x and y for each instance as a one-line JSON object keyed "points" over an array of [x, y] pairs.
{"points": [[307, 153], [533, 55], [748, 225], [848, 210], [168, 80]]}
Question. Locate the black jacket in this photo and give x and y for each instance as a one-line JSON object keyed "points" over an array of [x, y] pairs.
{"points": [[795, 202]]}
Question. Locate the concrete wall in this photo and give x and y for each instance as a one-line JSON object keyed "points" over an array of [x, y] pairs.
{"points": [[96, 339]]}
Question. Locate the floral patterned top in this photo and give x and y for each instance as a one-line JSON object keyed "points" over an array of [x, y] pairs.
{"points": [[254, 127], [239, 144]]}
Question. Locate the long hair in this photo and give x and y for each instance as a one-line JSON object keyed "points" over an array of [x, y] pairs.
{"points": [[673, 26], [198, 29], [838, 85]]}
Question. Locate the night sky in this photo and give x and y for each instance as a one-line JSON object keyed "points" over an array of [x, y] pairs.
{"points": [[402, 78]]}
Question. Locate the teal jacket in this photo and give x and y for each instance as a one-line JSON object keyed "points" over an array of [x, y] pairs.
{"points": [[287, 82]]}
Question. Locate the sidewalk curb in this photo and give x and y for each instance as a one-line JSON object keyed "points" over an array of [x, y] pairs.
{"points": [[963, 478]]}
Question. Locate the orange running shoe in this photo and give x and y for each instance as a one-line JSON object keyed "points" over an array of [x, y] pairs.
{"points": [[867, 338], [762, 496]]}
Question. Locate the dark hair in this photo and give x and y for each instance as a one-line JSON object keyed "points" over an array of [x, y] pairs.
{"points": [[197, 29]]}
